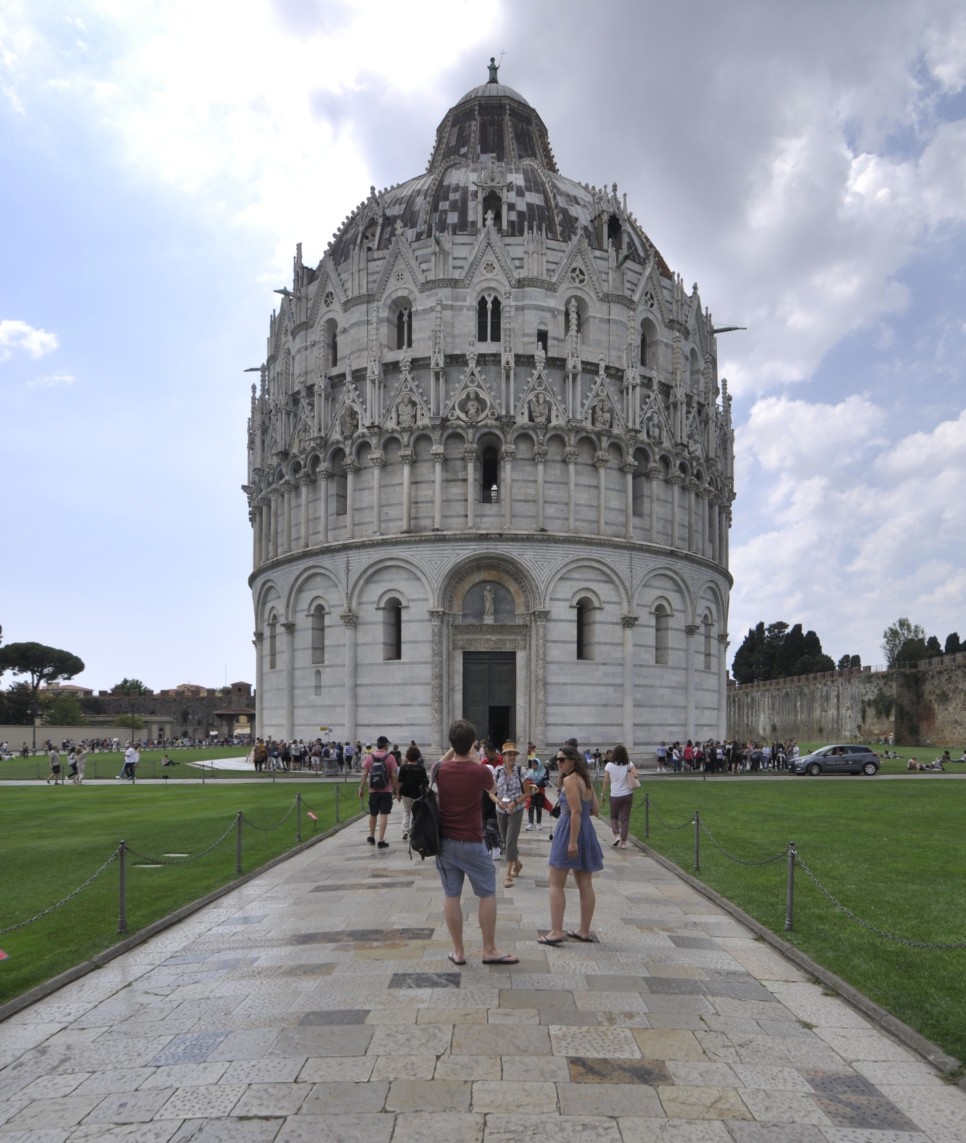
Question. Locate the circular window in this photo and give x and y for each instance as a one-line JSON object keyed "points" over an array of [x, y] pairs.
{"points": [[489, 267], [649, 299], [328, 299], [578, 275]]}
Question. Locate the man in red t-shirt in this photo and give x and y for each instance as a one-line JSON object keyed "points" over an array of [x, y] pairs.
{"points": [[379, 774], [461, 780]]}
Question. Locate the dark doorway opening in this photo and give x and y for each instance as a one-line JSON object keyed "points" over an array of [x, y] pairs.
{"points": [[489, 693]]}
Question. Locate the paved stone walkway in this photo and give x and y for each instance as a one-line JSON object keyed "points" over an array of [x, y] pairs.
{"points": [[317, 1003]]}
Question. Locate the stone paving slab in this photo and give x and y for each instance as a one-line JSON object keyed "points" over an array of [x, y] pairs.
{"points": [[317, 1002]]}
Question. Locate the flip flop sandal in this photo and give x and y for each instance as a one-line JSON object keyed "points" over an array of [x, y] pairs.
{"points": [[584, 940]]}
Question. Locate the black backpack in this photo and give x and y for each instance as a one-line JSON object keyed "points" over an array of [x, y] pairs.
{"points": [[378, 773], [424, 833]]}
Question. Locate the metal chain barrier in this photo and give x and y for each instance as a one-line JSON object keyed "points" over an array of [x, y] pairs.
{"points": [[870, 927], [181, 860], [684, 825], [740, 860], [70, 896], [281, 821]]}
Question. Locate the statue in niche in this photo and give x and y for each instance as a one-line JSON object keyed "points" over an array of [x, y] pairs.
{"points": [[694, 439], [406, 412], [540, 409], [488, 604], [473, 408], [652, 427], [349, 421], [602, 415]]}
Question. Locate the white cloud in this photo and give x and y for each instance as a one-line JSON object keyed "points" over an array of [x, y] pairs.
{"points": [[51, 381], [18, 336], [863, 528], [228, 109]]}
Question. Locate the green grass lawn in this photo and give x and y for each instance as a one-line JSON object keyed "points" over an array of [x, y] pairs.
{"points": [[187, 764], [888, 851], [53, 840]]}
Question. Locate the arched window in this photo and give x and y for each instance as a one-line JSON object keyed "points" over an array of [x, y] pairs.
{"points": [[493, 203], [585, 629], [318, 684], [272, 643], [318, 634], [392, 630], [331, 335], [543, 340], [404, 328], [661, 627], [490, 475], [615, 233], [643, 345], [639, 485], [340, 486], [489, 319], [708, 645]]}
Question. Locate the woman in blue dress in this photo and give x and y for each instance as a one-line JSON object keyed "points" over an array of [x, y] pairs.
{"points": [[574, 847]]}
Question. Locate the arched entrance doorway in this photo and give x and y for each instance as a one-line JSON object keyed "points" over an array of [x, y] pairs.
{"points": [[488, 650]]}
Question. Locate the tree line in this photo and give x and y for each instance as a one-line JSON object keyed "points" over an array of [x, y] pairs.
{"points": [[778, 651], [24, 702]]}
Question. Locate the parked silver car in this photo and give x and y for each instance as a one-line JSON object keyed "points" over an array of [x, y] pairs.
{"points": [[837, 759]]}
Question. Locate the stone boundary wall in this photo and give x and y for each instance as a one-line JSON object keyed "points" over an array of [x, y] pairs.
{"points": [[920, 704]]}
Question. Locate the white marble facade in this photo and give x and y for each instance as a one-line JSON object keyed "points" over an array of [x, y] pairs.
{"points": [[491, 465]]}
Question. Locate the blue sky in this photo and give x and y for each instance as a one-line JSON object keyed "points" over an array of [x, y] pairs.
{"points": [[804, 163]]}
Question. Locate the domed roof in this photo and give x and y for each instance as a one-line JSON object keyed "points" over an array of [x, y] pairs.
{"points": [[491, 145], [493, 90]]}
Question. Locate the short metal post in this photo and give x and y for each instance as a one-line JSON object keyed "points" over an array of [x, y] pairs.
{"points": [[238, 842], [298, 817], [697, 840], [122, 888], [790, 889], [647, 816]]}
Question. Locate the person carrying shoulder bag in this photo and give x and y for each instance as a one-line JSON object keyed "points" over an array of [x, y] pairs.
{"points": [[621, 779]]}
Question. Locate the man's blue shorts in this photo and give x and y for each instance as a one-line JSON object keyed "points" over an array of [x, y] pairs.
{"points": [[460, 859]]}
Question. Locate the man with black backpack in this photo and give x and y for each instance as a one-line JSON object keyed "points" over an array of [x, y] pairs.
{"points": [[379, 773]]}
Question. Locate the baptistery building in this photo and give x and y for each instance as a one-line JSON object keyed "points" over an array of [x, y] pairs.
{"points": [[490, 464]]}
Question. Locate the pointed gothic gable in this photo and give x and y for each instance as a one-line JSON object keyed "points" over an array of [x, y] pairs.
{"points": [[577, 269], [350, 414], [538, 405], [694, 321], [654, 422], [330, 294], [303, 431], [601, 410], [281, 329], [473, 402], [489, 245], [649, 297], [409, 406], [694, 436], [400, 259]]}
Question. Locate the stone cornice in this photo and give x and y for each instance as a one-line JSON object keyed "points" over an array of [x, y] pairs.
{"points": [[370, 548]]}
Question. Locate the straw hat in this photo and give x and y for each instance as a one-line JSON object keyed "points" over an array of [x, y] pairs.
{"points": [[509, 748]]}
